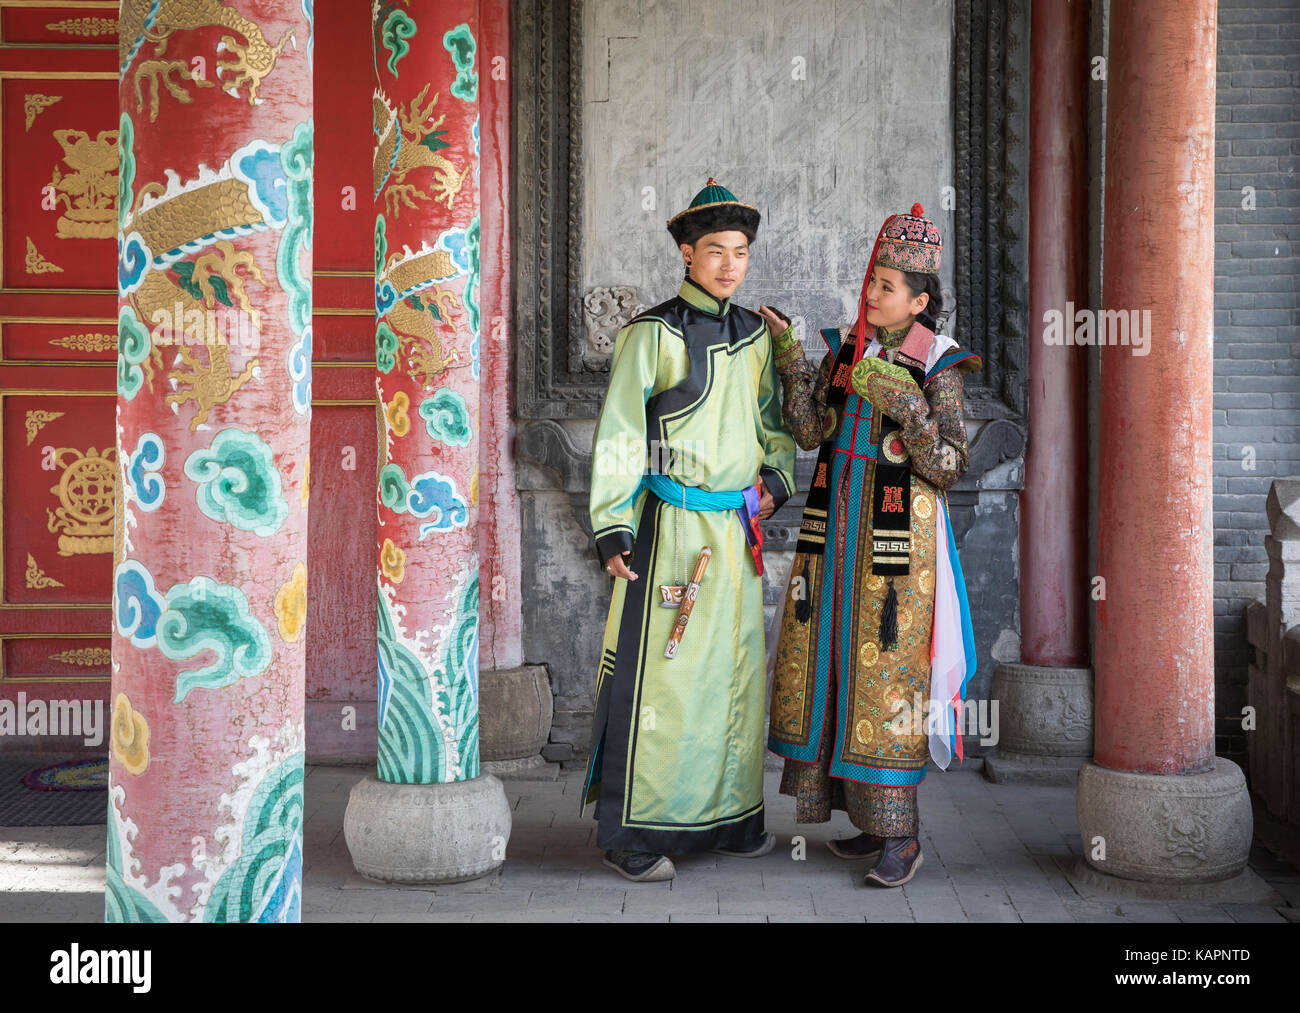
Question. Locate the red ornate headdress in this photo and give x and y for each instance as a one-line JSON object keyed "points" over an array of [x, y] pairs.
{"points": [[907, 242]]}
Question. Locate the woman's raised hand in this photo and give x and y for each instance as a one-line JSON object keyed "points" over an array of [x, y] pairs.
{"points": [[776, 323]]}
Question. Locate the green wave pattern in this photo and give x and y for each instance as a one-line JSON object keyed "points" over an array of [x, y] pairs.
{"points": [[272, 838], [122, 903], [411, 750]]}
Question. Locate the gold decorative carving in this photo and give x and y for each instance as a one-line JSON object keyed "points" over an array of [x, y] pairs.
{"points": [[36, 419], [251, 60], [156, 72], [35, 263], [86, 494], [35, 104], [403, 146], [84, 26], [87, 657], [36, 578], [93, 342], [89, 192], [207, 384]]}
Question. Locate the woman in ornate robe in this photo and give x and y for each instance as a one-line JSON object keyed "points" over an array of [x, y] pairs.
{"points": [[862, 655]]}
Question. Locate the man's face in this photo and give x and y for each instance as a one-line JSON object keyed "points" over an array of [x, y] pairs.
{"points": [[717, 262]]}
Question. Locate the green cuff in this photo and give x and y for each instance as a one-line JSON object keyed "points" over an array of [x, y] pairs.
{"points": [[785, 341], [786, 349]]}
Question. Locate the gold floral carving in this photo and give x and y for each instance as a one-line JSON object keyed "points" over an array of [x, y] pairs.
{"points": [[36, 578], [92, 342], [84, 26], [86, 657], [36, 419], [89, 192], [35, 104], [35, 263]]}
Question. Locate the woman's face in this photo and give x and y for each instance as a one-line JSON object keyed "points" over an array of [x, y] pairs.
{"points": [[890, 303]]}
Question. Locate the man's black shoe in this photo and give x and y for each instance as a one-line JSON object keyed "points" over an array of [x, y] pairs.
{"points": [[764, 846], [640, 866]]}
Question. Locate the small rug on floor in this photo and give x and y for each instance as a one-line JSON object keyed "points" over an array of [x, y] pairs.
{"points": [[71, 775], [67, 795]]}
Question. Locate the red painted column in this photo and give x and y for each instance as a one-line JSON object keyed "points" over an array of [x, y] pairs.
{"points": [[431, 815], [429, 365], [1054, 503], [1155, 632], [214, 216], [500, 612]]}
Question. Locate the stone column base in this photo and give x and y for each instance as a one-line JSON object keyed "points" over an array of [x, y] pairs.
{"points": [[1165, 828], [529, 768], [1246, 887], [1004, 767], [515, 711], [1044, 724], [427, 833]]}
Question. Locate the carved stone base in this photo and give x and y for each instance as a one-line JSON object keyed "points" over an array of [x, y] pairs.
{"points": [[1165, 828], [1002, 767], [1044, 724], [427, 833], [1043, 711], [1247, 887], [528, 768], [515, 711]]}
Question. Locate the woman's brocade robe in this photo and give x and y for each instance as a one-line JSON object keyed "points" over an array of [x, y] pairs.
{"points": [[881, 695]]}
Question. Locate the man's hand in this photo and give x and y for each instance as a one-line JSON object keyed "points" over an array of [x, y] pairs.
{"points": [[766, 504], [615, 566]]}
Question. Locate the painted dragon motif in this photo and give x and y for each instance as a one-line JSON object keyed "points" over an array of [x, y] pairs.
{"points": [[406, 141], [154, 21], [192, 283]]}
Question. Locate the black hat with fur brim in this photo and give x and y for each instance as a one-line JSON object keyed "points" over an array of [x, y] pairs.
{"points": [[714, 209]]}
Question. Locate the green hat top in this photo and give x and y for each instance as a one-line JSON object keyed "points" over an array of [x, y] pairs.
{"points": [[714, 193]]}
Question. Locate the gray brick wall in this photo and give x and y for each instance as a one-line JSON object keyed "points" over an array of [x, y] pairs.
{"points": [[1256, 319]]}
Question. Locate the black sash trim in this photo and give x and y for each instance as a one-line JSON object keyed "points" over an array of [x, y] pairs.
{"points": [[891, 487]]}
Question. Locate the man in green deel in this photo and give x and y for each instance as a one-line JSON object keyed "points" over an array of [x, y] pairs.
{"points": [[690, 452]]}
